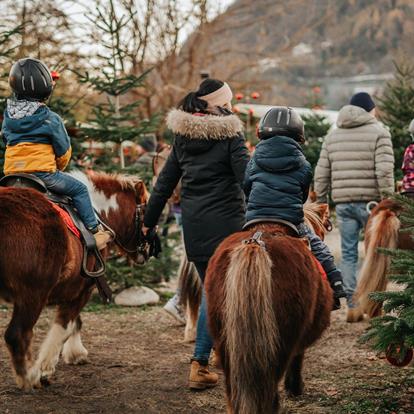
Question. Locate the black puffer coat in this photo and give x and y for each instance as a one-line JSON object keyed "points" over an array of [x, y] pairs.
{"points": [[277, 181], [210, 157]]}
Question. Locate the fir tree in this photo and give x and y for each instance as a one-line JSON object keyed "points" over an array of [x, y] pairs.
{"points": [[394, 332], [116, 117], [7, 48], [316, 128], [397, 109]]}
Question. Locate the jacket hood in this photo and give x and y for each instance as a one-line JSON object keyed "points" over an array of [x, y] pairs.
{"points": [[205, 127], [27, 123], [351, 116], [279, 154]]}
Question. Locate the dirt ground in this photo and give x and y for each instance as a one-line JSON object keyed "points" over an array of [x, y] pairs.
{"points": [[139, 364]]}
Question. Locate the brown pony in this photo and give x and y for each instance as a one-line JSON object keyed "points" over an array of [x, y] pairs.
{"points": [[316, 217], [267, 302], [382, 230], [40, 264]]}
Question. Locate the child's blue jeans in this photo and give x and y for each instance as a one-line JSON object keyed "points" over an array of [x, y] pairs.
{"points": [[61, 183], [321, 251]]}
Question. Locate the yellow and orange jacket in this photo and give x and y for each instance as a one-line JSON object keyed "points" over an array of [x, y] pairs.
{"points": [[35, 143]]}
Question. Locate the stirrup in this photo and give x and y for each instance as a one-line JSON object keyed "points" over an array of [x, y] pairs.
{"points": [[99, 260]]}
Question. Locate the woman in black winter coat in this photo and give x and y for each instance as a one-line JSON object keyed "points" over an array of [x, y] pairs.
{"points": [[210, 157]]}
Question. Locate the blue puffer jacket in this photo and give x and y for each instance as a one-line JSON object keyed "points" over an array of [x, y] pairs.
{"points": [[277, 180]]}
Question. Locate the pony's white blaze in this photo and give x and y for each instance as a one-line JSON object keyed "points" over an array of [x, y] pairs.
{"points": [[100, 201], [51, 347]]}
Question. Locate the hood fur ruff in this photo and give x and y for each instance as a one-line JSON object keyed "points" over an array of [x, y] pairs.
{"points": [[203, 127]]}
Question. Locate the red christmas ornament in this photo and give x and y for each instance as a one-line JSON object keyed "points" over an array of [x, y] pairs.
{"points": [[239, 96], [255, 95], [399, 356], [55, 75]]}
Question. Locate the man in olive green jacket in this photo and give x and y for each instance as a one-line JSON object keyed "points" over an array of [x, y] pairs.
{"points": [[356, 165]]}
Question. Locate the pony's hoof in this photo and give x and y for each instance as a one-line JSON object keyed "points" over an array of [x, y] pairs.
{"points": [[45, 381], [76, 358], [294, 389], [294, 394], [24, 384], [190, 335], [354, 315], [34, 377]]}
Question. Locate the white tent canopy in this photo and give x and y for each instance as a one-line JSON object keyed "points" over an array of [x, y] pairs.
{"points": [[260, 110]]}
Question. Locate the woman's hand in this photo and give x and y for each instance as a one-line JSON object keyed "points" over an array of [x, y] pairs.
{"points": [[145, 230]]}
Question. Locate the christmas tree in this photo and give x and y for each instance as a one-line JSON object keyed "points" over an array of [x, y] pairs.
{"points": [[397, 109], [316, 128], [7, 47], [394, 332], [116, 117]]}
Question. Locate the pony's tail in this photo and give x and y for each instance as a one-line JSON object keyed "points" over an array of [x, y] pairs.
{"points": [[190, 295], [250, 330], [382, 231]]}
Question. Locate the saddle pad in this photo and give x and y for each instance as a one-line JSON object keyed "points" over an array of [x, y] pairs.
{"points": [[321, 269], [67, 219]]}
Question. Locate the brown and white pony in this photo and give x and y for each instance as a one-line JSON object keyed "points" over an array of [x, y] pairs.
{"points": [[382, 231], [316, 217], [268, 301], [40, 264]]}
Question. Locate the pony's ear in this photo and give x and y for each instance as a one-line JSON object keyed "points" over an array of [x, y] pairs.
{"points": [[312, 196], [141, 193], [323, 210]]}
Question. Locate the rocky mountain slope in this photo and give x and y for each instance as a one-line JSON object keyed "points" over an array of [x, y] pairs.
{"points": [[283, 48]]}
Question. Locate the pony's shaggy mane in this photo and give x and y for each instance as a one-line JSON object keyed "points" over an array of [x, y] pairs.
{"points": [[314, 218], [121, 182]]}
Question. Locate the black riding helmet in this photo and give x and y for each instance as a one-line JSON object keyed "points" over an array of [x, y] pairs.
{"points": [[281, 120], [31, 79]]}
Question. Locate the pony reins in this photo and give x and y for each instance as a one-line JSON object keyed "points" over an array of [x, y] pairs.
{"points": [[141, 243]]}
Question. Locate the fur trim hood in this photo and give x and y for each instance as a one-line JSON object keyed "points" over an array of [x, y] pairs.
{"points": [[207, 127]]}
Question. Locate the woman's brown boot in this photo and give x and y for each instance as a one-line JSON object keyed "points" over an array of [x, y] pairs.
{"points": [[201, 378]]}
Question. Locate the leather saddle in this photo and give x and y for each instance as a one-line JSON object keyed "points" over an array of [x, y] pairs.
{"points": [[293, 231], [23, 180], [65, 202]]}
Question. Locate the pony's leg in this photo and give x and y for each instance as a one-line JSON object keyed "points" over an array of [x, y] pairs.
{"points": [[51, 347], [73, 350], [64, 326], [18, 337], [293, 379]]}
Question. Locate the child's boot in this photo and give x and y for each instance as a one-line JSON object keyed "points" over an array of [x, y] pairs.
{"points": [[335, 280], [102, 237]]}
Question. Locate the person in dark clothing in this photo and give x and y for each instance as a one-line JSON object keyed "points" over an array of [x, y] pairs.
{"points": [[277, 183], [209, 155]]}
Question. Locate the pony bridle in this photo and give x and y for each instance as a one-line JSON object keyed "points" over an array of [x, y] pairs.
{"points": [[140, 242]]}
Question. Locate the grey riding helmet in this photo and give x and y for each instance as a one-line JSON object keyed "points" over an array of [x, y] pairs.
{"points": [[31, 79], [281, 120], [411, 129]]}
